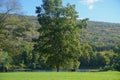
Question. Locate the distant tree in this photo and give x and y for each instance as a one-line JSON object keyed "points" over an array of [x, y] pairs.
{"points": [[116, 63], [86, 56], [117, 49], [59, 40], [100, 60], [7, 7], [116, 60], [26, 54], [5, 61]]}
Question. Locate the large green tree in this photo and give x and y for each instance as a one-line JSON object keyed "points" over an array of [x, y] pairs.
{"points": [[59, 39], [5, 61]]}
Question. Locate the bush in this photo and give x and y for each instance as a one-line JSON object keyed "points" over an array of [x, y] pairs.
{"points": [[106, 68], [116, 64]]}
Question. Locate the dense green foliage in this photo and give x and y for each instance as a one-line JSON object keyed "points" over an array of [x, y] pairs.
{"points": [[56, 40], [59, 40], [19, 48], [104, 39], [102, 36], [60, 76], [16, 33], [116, 61]]}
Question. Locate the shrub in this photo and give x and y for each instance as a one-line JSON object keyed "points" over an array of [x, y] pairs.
{"points": [[116, 64], [106, 68]]}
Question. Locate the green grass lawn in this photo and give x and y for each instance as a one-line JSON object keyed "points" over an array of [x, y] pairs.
{"points": [[60, 76]]}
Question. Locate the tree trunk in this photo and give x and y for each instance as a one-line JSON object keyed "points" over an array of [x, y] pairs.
{"points": [[58, 68]]}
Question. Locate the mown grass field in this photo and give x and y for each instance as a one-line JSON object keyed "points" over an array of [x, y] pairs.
{"points": [[60, 76]]}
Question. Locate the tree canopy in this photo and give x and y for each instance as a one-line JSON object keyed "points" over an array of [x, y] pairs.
{"points": [[59, 40]]}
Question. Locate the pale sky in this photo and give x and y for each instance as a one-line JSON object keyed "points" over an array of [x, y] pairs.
{"points": [[95, 10]]}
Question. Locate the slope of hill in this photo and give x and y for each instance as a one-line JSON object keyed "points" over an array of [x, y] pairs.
{"points": [[102, 35]]}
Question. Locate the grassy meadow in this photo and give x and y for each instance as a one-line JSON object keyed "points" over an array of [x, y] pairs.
{"points": [[60, 76]]}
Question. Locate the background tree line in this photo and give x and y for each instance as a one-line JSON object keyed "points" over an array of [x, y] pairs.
{"points": [[57, 40]]}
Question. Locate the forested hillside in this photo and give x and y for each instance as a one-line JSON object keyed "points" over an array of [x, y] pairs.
{"points": [[99, 44], [102, 35]]}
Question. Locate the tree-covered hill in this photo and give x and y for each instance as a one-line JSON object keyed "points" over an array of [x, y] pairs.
{"points": [[102, 35], [98, 41]]}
